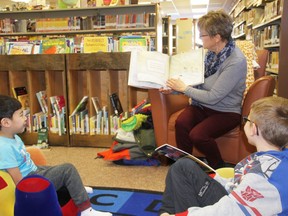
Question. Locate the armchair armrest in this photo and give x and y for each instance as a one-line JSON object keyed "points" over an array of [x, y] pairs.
{"points": [[163, 106]]}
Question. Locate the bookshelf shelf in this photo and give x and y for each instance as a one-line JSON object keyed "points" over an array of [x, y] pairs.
{"points": [[271, 70], [83, 21], [78, 32], [239, 36], [268, 22]]}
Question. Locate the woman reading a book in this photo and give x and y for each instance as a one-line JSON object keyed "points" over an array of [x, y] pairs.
{"points": [[216, 104]]}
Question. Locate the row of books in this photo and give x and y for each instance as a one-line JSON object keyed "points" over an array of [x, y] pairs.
{"points": [[273, 60], [79, 120], [120, 21], [270, 36], [258, 15], [55, 122], [101, 123], [85, 44]]}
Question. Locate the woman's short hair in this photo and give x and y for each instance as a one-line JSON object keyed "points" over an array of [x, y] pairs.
{"points": [[217, 22], [270, 114]]}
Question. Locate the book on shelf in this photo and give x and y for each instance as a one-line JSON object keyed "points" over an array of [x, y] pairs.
{"points": [[81, 105], [152, 69], [20, 48], [22, 95], [21, 90], [58, 117], [42, 138], [129, 43], [54, 46], [175, 153], [116, 104], [24, 100], [96, 104], [39, 120], [83, 127], [42, 99], [97, 44]]}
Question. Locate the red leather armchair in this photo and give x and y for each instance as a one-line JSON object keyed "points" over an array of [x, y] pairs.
{"points": [[233, 145]]}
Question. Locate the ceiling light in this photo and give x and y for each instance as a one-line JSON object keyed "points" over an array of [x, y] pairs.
{"points": [[199, 10], [199, 2], [24, 1]]}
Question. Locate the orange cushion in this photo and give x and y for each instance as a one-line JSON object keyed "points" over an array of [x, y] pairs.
{"points": [[37, 156]]}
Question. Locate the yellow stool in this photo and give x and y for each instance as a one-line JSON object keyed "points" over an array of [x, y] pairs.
{"points": [[226, 172], [7, 194]]}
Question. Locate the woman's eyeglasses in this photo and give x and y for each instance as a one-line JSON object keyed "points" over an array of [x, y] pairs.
{"points": [[245, 119]]}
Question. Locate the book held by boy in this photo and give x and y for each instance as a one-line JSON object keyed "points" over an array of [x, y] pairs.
{"points": [[153, 69], [175, 153]]}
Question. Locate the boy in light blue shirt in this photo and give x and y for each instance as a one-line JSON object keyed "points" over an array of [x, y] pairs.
{"points": [[15, 160]]}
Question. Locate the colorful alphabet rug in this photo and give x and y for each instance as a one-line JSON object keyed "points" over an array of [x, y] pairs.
{"points": [[126, 202]]}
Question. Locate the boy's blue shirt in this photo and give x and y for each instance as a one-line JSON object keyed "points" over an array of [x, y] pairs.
{"points": [[13, 154]]}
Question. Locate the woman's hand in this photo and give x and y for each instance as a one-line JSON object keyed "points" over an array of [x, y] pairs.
{"points": [[176, 85]]}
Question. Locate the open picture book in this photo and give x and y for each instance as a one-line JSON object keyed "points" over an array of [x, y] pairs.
{"points": [[175, 153], [153, 69]]}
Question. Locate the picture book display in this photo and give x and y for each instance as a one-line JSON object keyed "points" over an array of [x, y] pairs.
{"points": [[81, 105], [53, 46], [175, 153], [152, 69], [96, 44], [130, 43]]}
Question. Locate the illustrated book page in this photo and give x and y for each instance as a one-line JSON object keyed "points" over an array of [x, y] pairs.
{"points": [[152, 69]]}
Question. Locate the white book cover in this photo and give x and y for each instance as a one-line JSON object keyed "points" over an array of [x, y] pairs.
{"points": [[152, 69]]}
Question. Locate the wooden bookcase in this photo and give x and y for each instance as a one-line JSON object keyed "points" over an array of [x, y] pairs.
{"points": [[255, 31], [36, 73], [99, 75], [76, 75], [73, 76]]}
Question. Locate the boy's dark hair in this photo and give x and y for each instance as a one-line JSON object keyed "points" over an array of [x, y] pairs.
{"points": [[8, 105]]}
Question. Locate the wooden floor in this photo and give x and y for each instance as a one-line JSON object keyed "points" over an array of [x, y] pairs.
{"points": [[97, 172]]}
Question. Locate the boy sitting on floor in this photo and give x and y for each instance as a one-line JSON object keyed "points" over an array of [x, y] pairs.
{"points": [[15, 160], [259, 186]]}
